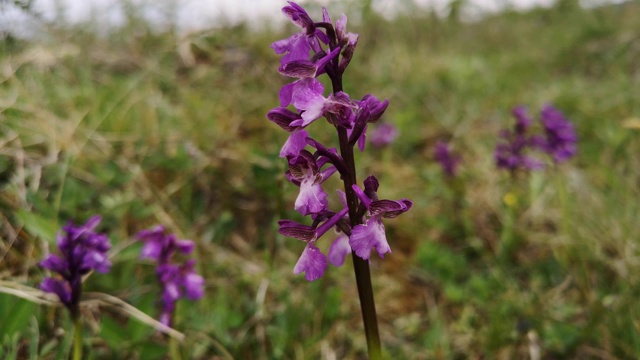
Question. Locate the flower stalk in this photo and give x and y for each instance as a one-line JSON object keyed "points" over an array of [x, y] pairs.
{"points": [[82, 250], [327, 48], [77, 337]]}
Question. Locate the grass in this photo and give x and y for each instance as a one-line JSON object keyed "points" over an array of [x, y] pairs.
{"points": [[131, 127]]}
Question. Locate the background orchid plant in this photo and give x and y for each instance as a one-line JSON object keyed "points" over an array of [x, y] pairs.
{"points": [[325, 48]]}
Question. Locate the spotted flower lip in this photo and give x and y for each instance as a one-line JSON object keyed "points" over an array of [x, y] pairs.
{"points": [[312, 262], [304, 171], [82, 251]]}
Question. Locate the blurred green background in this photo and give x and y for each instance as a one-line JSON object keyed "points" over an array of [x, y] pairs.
{"points": [[146, 127]]}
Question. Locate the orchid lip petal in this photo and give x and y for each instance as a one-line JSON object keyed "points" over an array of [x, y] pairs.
{"points": [[312, 262]]}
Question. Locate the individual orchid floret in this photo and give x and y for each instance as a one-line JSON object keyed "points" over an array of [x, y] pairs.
{"points": [[447, 159], [177, 281], [297, 139], [347, 41], [511, 153], [82, 251], [560, 137], [312, 261], [306, 95], [369, 110], [383, 135], [376, 107], [304, 171], [371, 234]]}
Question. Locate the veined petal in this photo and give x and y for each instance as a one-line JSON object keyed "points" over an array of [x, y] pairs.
{"points": [[312, 262], [296, 230], [408, 204], [369, 236], [298, 15], [298, 69], [381, 207], [283, 117]]}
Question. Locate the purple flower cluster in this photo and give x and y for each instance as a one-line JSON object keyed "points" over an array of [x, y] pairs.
{"points": [[559, 140], [82, 251], [447, 159], [324, 48], [177, 280]]}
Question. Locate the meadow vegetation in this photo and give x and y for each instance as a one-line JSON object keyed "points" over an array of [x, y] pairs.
{"points": [[147, 128]]}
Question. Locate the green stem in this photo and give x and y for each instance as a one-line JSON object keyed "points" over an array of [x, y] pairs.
{"points": [[174, 349], [77, 337]]}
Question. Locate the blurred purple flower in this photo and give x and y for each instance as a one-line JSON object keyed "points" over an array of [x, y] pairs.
{"points": [[383, 135], [560, 137], [82, 251], [448, 161], [177, 280], [510, 154]]}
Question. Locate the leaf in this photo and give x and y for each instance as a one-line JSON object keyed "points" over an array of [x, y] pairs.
{"points": [[38, 225], [16, 314], [35, 339]]}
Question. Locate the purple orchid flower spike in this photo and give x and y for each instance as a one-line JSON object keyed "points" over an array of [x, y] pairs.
{"points": [[447, 159], [371, 234], [324, 48], [82, 251], [560, 137], [511, 154], [559, 140], [177, 281]]}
